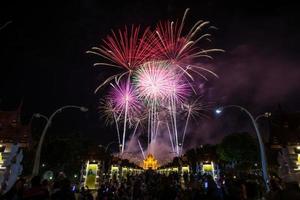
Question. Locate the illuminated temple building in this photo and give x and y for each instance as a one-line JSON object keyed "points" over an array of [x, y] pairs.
{"points": [[150, 163], [12, 131], [284, 144]]}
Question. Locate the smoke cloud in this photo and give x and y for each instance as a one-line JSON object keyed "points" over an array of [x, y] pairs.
{"points": [[257, 79]]}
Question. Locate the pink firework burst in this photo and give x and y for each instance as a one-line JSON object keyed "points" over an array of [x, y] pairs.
{"points": [[158, 81], [126, 49], [123, 97], [153, 81], [181, 90]]}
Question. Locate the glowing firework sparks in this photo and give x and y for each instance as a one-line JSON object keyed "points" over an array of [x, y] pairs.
{"points": [[126, 49], [123, 96], [156, 79], [180, 90], [124, 102], [181, 49], [110, 115], [193, 109], [196, 108]]}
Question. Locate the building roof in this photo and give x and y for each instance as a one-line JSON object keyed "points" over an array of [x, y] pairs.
{"points": [[11, 128], [285, 128]]}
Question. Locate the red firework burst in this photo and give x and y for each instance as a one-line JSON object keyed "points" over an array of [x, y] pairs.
{"points": [[180, 48], [126, 48]]}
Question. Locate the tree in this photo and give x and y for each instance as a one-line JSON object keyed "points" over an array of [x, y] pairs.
{"points": [[64, 154], [237, 148], [203, 153]]}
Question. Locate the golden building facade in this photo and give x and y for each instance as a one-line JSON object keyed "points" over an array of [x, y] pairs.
{"points": [[150, 163]]}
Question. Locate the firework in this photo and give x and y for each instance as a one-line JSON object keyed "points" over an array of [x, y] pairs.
{"points": [[125, 49], [194, 109], [109, 114], [123, 96], [157, 77], [124, 102], [154, 80], [181, 49], [158, 81], [141, 149]]}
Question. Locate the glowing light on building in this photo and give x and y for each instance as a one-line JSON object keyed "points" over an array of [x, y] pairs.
{"points": [[91, 177], [150, 163]]}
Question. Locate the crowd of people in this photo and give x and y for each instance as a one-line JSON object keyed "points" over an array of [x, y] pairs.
{"points": [[154, 186], [41, 190], [150, 185]]}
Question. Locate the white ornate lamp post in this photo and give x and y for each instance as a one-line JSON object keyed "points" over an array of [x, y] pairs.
{"points": [[260, 141], [36, 164]]}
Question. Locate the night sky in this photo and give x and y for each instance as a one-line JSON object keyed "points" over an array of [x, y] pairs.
{"points": [[43, 59]]}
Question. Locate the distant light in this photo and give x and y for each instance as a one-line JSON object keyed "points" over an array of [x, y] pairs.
{"points": [[267, 114], [38, 115], [234, 177], [43, 165], [50, 177], [218, 111], [84, 109], [298, 147], [75, 175]]}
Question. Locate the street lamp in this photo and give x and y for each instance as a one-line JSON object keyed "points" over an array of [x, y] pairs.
{"points": [[219, 110], [37, 158], [38, 115], [260, 141], [266, 115], [180, 149]]}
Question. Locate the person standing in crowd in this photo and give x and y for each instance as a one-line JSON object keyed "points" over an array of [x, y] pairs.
{"points": [[36, 191]]}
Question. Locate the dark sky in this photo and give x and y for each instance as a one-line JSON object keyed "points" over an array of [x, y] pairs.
{"points": [[43, 58]]}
